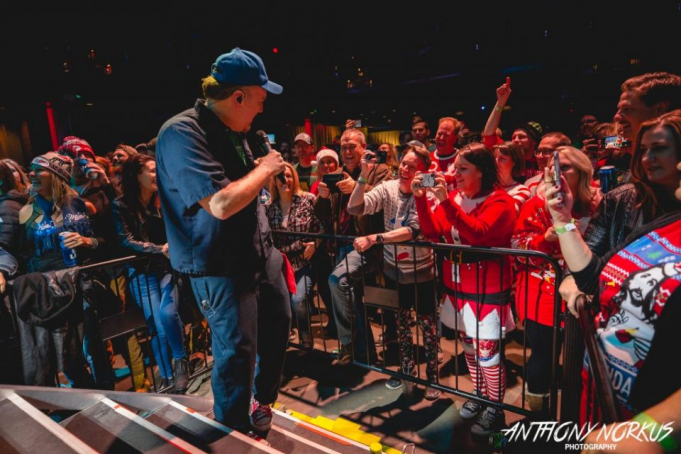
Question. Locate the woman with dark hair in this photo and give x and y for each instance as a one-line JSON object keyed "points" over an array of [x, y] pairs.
{"points": [[11, 202], [476, 213], [292, 210], [22, 181], [536, 279], [141, 230], [637, 283], [511, 166]]}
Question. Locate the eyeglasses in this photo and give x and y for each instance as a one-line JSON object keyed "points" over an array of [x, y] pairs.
{"points": [[543, 152]]}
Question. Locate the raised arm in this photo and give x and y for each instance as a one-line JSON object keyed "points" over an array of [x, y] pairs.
{"points": [[490, 131]]}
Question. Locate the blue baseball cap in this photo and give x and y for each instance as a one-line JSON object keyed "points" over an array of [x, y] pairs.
{"points": [[241, 67]]}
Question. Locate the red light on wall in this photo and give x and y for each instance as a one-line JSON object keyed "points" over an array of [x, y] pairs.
{"points": [[275, 50], [52, 125]]}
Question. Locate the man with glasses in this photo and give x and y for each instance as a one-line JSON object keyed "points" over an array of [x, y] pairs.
{"points": [[545, 149]]}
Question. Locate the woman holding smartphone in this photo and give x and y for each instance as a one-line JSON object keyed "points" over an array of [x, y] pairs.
{"points": [[476, 213], [638, 284], [535, 279]]}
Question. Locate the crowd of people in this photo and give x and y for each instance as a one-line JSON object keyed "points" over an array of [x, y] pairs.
{"points": [[606, 205]]}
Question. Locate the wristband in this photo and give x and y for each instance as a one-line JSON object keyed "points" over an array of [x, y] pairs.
{"points": [[498, 109], [569, 227], [95, 243], [362, 180], [651, 426]]}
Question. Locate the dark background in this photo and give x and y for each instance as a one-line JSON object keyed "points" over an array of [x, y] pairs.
{"points": [[434, 59]]}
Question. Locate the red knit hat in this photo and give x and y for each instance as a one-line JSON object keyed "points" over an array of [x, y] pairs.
{"points": [[73, 146]]}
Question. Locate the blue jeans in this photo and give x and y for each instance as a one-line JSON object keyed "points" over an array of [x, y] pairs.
{"points": [[348, 308], [300, 302], [246, 316], [159, 301]]}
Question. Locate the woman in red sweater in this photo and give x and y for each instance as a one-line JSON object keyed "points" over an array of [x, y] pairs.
{"points": [[536, 279], [476, 213]]}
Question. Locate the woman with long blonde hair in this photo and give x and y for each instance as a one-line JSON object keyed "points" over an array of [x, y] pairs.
{"points": [[535, 280], [54, 210], [292, 210]]}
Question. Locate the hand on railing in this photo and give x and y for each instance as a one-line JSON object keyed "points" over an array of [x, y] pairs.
{"points": [[571, 294]]}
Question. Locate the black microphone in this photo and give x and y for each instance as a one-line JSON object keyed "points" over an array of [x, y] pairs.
{"points": [[265, 148]]}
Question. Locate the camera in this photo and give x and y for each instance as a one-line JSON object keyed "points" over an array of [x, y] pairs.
{"points": [[614, 142], [428, 180], [381, 157], [358, 123], [331, 179]]}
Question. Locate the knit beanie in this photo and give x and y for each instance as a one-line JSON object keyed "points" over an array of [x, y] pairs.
{"points": [[59, 165], [73, 146], [326, 153], [533, 129]]}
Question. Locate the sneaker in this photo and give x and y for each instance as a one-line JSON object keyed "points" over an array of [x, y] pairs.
{"points": [[255, 437], [393, 383], [145, 387], [344, 355], [181, 372], [470, 409], [261, 416], [432, 393], [491, 420]]}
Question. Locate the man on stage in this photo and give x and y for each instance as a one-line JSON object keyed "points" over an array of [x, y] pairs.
{"points": [[218, 234]]}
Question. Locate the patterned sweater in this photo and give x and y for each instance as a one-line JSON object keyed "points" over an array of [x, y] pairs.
{"points": [[300, 218], [399, 210]]}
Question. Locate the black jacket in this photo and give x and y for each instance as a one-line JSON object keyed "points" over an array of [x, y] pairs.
{"points": [[617, 216], [10, 230], [141, 234], [48, 308]]}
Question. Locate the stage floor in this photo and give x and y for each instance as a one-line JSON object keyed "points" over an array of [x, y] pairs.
{"points": [[313, 386]]}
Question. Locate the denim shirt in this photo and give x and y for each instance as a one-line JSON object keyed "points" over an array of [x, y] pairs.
{"points": [[196, 156]]}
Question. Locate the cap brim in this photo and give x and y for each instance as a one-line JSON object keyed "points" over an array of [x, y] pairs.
{"points": [[273, 88]]}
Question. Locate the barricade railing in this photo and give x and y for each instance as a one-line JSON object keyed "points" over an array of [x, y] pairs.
{"points": [[581, 342], [362, 289], [108, 288]]}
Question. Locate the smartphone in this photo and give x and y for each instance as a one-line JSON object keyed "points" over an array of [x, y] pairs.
{"points": [[358, 123], [330, 180], [556, 172], [428, 180], [614, 142], [381, 157]]}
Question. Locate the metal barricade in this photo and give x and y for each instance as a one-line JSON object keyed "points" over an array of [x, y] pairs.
{"points": [[116, 299], [365, 293]]}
